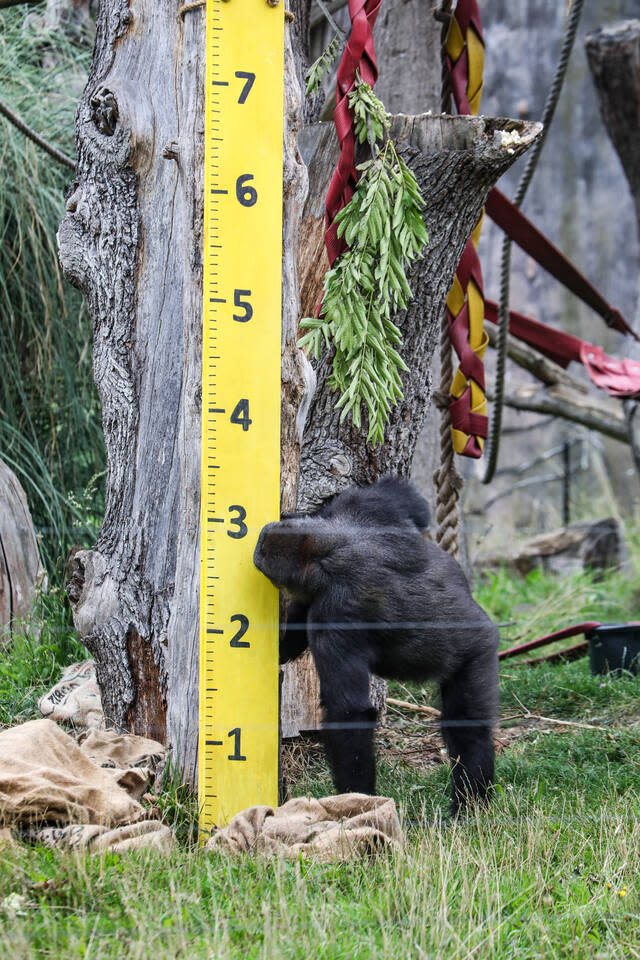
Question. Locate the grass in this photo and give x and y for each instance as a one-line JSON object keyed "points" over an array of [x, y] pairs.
{"points": [[50, 432], [550, 870]]}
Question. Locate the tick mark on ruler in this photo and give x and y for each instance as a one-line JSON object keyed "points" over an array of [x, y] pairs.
{"points": [[219, 191], [213, 743], [219, 83]]}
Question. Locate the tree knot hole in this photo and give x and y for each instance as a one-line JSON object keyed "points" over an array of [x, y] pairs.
{"points": [[104, 111]]}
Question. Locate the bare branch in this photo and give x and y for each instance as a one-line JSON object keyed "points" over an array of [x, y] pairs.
{"points": [[29, 132], [559, 401], [14, 3], [539, 366], [318, 16]]}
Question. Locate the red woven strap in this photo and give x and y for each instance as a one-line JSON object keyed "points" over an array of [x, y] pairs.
{"points": [[358, 57], [620, 378], [520, 229]]}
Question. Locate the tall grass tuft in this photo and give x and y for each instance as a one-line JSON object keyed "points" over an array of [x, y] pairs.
{"points": [[50, 432]]}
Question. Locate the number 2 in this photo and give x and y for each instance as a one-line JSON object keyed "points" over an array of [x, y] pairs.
{"points": [[236, 640]]}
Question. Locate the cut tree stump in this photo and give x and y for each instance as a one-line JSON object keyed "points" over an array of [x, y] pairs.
{"points": [[21, 572]]}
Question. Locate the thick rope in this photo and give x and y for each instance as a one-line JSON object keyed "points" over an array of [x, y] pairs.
{"points": [[553, 96], [447, 480]]}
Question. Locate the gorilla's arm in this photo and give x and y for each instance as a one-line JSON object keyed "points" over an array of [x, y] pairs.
{"points": [[294, 639], [349, 718]]}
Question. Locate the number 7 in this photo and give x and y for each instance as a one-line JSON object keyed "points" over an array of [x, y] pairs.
{"points": [[248, 78]]}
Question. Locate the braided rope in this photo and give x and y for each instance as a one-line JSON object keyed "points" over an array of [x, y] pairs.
{"points": [[505, 265], [446, 478]]}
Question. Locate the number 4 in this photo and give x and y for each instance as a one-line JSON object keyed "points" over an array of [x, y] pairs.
{"points": [[241, 414]]}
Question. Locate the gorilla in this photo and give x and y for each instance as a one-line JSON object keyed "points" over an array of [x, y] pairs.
{"points": [[369, 594]]}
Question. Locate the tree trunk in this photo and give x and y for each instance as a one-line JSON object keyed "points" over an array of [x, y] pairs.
{"points": [[132, 242], [614, 58], [21, 571]]}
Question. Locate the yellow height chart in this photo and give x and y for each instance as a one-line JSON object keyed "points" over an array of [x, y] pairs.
{"points": [[238, 744]]}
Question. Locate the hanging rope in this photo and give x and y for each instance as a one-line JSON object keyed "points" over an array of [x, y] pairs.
{"points": [[447, 480], [505, 268]]}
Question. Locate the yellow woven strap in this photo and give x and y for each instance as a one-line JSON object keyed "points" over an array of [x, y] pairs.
{"points": [[465, 303]]}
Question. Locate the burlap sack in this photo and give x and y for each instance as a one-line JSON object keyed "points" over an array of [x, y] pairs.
{"points": [[110, 749], [144, 835], [45, 778], [75, 698], [334, 828]]}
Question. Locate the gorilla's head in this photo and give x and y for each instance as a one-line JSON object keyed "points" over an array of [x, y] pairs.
{"points": [[290, 553]]}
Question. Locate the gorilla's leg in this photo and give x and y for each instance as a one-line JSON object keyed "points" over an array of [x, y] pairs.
{"points": [[294, 639], [469, 712], [349, 718]]}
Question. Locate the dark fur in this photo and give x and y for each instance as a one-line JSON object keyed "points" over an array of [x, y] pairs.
{"points": [[371, 595]]}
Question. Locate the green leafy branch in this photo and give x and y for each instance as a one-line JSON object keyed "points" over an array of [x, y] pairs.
{"points": [[313, 76], [367, 286]]}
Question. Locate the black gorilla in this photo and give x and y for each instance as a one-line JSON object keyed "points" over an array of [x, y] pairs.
{"points": [[372, 595]]}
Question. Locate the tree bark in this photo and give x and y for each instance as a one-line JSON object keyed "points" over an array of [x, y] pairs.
{"points": [[613, 54], [21, 571]]}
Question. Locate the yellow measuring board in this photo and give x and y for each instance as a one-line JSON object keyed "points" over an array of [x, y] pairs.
{"points": [[238, 742]]}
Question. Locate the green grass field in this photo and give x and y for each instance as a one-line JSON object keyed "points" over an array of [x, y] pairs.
{"points": [[551, 870]]}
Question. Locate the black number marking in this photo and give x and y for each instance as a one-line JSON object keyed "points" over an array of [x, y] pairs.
{"points": [[248, 83], [246, 195], [240, 414], [236, 755], [243, 304], [239, 522], [242, 629]]}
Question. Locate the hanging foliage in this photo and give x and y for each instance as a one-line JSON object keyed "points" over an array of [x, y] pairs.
{"points": [[367, 286]]}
